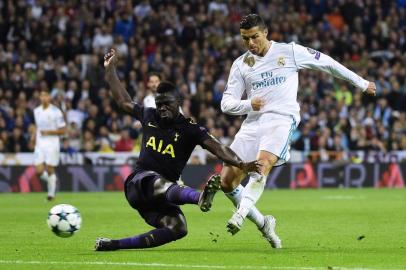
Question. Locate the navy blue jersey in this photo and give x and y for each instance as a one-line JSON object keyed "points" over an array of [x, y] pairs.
{"points": [[166, 149]]}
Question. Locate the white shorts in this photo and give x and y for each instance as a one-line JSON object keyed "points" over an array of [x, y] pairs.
{"points": [[269, 132], [47, 155]]}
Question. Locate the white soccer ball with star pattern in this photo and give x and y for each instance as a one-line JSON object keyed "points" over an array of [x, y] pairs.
{"points": [[64, 220]]}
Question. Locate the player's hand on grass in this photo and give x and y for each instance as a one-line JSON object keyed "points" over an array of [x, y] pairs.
{"points": [[110, 59], [371, 89], [257, 103], [252, 166]]}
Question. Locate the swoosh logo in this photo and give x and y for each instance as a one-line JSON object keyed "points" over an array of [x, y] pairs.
{"points": [[151, 125]]}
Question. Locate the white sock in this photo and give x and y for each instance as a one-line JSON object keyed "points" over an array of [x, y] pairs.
{"points": [[44, 176], [251, 193], [52, 185], [254, 215]]}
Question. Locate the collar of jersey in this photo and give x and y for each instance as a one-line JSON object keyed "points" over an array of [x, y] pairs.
{"points": [[257, 57], [180, 119]]}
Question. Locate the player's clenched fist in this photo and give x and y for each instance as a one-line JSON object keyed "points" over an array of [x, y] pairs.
{"points": [[110, 59], [371, 90], [257, 103]]}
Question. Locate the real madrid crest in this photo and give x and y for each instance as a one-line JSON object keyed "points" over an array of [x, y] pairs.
{"points": [[281, 61], [249, 60]]}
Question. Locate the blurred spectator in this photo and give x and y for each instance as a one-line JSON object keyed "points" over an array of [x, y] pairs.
{"points": [[125, 143], [67, 148], [102, 40]]}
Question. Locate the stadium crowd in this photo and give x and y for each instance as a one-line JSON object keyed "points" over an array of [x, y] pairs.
{"points": [[59, 45]]}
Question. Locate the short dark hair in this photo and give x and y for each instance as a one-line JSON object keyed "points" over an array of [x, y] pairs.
{"points": [[153, 73], [167, 87], [251, 20]]}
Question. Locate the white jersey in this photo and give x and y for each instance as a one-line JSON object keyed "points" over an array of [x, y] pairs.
{"points": [[50, 118], [274, 77], [149, 101]]}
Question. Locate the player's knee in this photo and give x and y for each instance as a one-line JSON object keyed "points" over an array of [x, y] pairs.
{"points": [[226, 186], [39, 169], [176, 224], [179, 230], [50, 170], [160, 187], [267, 164]]}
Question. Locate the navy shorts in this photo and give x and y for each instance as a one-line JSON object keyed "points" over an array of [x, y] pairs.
{"points": [[139, 192]]}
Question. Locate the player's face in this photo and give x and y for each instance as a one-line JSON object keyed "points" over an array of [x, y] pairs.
{"points": [[153, 82], [45, 98], [255, 40], [167, 107]]}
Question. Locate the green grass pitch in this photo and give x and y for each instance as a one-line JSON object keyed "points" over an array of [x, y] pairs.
{"points": [[320, 229]]}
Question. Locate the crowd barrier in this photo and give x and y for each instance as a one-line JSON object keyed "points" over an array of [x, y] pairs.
{"points": [[292, 175]]}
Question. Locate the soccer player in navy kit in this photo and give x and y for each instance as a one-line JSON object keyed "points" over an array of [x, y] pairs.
{"points": [[168, 141]]}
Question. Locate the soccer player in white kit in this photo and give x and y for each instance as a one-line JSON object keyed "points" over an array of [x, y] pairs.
{"points": [[50, 125], [268, 74]]}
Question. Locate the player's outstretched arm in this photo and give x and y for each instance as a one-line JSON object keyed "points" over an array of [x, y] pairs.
{"points": [[312, 59], [227, 155], [120, 94]]}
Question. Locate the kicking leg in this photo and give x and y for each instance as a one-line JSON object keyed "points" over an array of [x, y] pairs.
{"points": [[252, 192], [231, 178]]}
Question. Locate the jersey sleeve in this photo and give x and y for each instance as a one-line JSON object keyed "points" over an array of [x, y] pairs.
{"points": [[60, 121], [198, 133], [307, 58], [231, 102]]}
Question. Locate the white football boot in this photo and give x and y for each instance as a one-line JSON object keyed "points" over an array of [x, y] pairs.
{"points": [[234, 224], [268, 232]]}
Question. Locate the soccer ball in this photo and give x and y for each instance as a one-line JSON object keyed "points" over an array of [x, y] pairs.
{"points": [[64, 220]]}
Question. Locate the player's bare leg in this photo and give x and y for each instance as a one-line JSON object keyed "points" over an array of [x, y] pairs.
{"points": [[250, 195], [41, 172]]}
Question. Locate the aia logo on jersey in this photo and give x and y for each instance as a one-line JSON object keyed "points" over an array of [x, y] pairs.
{"points": [[158, 146]]}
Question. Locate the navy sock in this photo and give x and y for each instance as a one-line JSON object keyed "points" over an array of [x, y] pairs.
{"points": [[181, 195], [154, 238]]}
